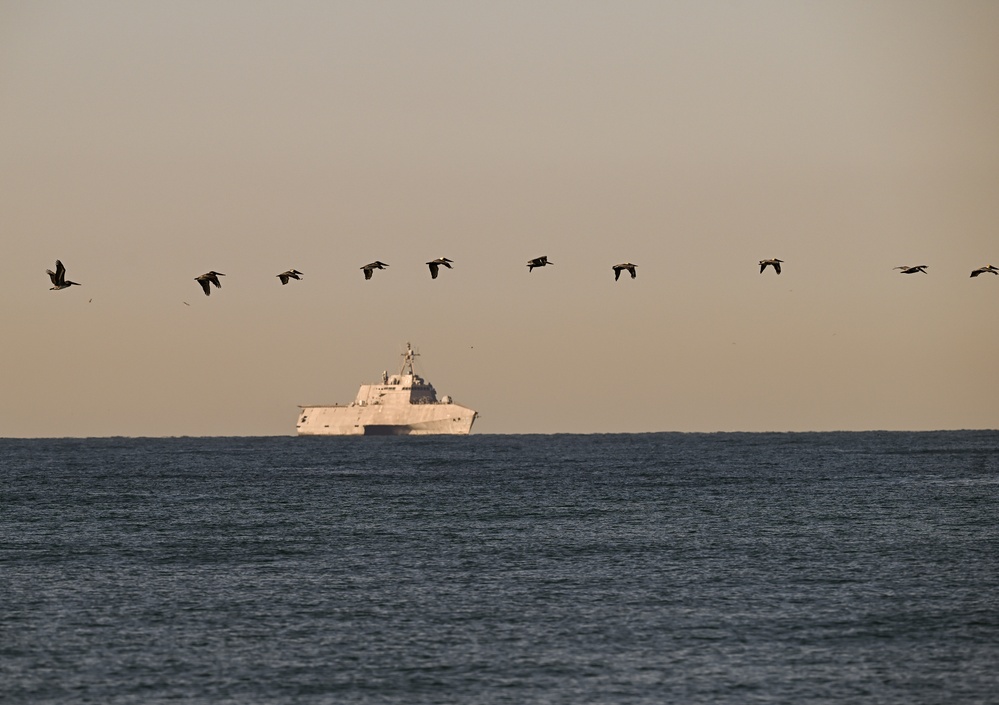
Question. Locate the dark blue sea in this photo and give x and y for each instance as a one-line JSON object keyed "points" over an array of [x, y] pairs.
{"points": [[653, 568]]}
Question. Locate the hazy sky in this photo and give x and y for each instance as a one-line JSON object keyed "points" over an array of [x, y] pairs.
{"points": [[143, 143]]}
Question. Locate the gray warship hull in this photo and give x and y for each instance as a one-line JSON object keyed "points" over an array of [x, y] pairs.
{"points": [[382, 420], [402, 405]]}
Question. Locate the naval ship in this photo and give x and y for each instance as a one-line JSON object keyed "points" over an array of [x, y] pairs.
{"points": [[401, 405]]}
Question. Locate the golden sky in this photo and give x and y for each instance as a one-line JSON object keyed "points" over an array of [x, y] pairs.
{"points": [[145, 143]]}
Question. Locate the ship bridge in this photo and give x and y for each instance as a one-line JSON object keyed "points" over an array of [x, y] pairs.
{"points": [[406, 387]]}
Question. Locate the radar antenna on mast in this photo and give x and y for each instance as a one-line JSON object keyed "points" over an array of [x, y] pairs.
{"points": [[408, 358]]}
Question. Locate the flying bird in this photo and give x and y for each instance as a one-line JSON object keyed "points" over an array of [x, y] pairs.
{"points": [[290, 274], [906, 269], [209, 278], [775, 263], [369, 269], [58, 278], [987, 269], [436, 264], [628, 266], [538, 262]]}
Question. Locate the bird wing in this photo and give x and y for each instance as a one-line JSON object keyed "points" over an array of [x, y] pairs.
{"points": [[204, 285], [367, 272], [777, 267], [433, 269], [60, 273], [284, 278], [632, 270], [617, 273]]}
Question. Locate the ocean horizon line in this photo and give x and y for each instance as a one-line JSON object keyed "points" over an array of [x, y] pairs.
{"points": [[513, 434]]}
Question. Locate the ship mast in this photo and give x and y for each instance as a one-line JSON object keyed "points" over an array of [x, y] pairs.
{"points": [[408, 358]]}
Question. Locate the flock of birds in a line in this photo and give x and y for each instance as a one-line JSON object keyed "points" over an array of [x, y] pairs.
{"points": [[209, 279]]}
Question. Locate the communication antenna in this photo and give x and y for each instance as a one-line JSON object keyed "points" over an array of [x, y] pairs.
{"points": [[408, 358]]}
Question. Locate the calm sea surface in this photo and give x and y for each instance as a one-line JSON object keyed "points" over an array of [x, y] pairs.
{"points": [[686, 568]]}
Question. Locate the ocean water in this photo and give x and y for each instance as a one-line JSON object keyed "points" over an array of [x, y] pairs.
{"points": [[652, 568]]}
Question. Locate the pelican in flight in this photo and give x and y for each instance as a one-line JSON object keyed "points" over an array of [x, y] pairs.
{"points": [[58, 278], [538, 262], [436, 264], [906, 269], [369, 269], [209, 278], [775, 263], [618, 268], [290, 274], [987, 269]]}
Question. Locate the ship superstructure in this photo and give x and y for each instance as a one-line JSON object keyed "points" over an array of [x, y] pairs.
{"points": [[403, 404]]}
